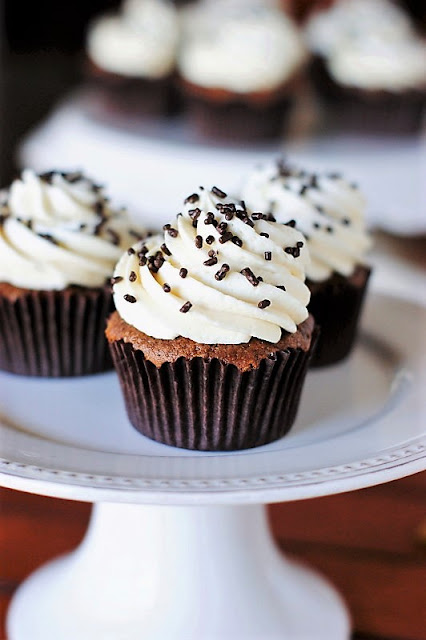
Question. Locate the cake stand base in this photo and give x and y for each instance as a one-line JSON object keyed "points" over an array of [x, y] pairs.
{"points": [[177, 573]]}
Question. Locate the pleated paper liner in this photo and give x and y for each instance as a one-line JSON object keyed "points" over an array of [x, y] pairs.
{"points": [[357, 110], [54, 333], [209, 405], [336, 305]]}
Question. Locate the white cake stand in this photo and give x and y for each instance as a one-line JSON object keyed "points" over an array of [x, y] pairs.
{"points": [[178, 546]]}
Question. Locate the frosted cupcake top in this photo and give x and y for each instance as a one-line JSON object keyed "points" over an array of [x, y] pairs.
{"points": [[57, 229], [369, 44], [239, 47], [327, 209], [140, 41], [217, 275]]}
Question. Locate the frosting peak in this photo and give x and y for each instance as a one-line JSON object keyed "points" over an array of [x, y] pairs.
{"points": [[57, 229], [243, 47], [327, 209], [216, 275]]}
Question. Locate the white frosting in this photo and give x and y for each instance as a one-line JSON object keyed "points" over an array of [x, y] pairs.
{"points": [[50, 236], [369, 44], [327, 210], [224, 310], [244, 48], [139, 42]]}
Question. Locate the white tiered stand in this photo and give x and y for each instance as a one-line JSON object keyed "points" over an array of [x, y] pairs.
{"points": [[178, 547]]}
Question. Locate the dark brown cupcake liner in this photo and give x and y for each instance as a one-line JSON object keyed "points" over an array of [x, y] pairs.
{"points": [[237, 120], [209, 405], [55, 333], [336, 305], [116, 96], [367, 111]]}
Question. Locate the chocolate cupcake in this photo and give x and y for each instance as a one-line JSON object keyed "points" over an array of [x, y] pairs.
{"points": [[369, 67], [59, 241], [132, 58], [211, 339], [329, 211], [239, 67]]}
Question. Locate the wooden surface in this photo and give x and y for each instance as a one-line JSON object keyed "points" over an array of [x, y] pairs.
{"points": [[371, 544]]}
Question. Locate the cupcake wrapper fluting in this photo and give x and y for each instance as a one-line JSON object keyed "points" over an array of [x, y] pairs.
{"points": [[336, 306], [209, 405], [55, 333], [361, 110], [236, 121]]}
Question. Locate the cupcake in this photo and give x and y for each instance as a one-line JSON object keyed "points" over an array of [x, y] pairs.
{"points": [[59, 242], [369, 66], [329, 211], [239, 66], [132, 57], [211, 339]]}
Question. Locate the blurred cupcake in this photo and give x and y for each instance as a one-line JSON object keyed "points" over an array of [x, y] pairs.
{"points": [[369, 66], [211, 338], [329, 211], [59, 242], [132, 56], [239, 64]]}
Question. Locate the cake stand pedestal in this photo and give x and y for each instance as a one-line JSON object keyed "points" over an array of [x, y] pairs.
{"points": [[178, 547], [175, 572]]}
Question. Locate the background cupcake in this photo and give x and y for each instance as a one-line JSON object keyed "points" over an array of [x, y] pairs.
{"points": [[329, 211], [369, 66], [239, 64], [59, 241], [211, 338], [132, 55]]}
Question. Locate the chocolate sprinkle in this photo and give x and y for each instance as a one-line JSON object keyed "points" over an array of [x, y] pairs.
{"points": [[218, 192], [194, 197], [291, 223], [282, 287], [210, 239], [329, 229], [165, 249], [210, 262], [346, 221], [219, 275], [198, 242], [130, 251], [142, 261], [185, 307], [48, 237], [268, 255], [172, 232], [183, 272], [264, 235], [248, 273], [135, 234], [129, 298], [132, 276], [115, 238], [116, 279], [263, 304], [166, 288], [226, 237], [236, 240]]}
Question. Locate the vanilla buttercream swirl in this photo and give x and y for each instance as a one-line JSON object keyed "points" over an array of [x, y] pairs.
{"points": [[57, 229], [327, 209], [369, 44], [140, 41], [216, 276], [241, 49]]}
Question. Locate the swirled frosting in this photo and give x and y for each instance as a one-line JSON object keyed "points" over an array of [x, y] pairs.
{"points": [[327, 209], [244, 48], [57, 229], [140, 41], [369, 44], [216, 276]]}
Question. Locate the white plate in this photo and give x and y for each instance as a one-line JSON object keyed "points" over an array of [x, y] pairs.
{"points": [[135, 161], [361, 422]]}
